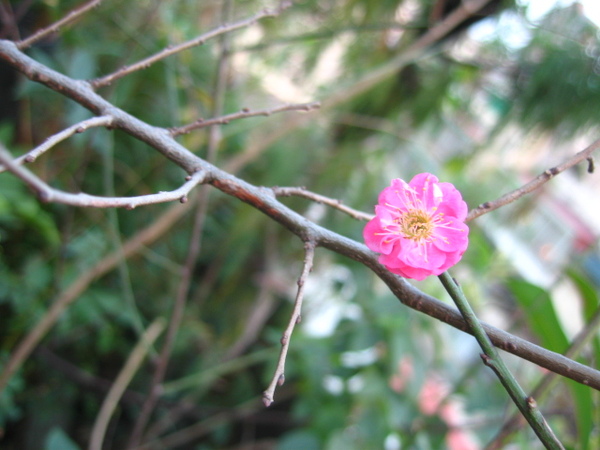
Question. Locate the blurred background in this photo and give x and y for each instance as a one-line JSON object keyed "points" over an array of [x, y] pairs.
{"points": [[508, 93]]}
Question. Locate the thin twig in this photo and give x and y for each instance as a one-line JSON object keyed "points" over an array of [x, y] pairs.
{"points": [[334, 203], [278, 376], [32, 155], [263, 200], [244, 113], [482, 209], [53, 28], [171, 50], [49, 194], [491, 358], [122, 381], [536, 183]]}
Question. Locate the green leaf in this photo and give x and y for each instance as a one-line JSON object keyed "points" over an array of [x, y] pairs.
{"points": [[539, 311], [581, 394], [584, 405]]}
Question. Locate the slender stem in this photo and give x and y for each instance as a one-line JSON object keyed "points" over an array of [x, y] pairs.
{"points": [[244, 113], [173, 49], [537, 182], [279, 377], [491, 358], [53, 28], [48, 194], [32, 155], [334, 203]]}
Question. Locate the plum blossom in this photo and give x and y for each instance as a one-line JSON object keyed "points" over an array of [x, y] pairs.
{"points": [[418, 228]]}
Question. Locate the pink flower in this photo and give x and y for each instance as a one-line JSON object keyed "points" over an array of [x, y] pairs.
{"points": [[433, 392], [418, 227]]}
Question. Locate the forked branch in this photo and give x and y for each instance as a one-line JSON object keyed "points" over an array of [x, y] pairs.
{"points": [[48, 194], [32, 155]]}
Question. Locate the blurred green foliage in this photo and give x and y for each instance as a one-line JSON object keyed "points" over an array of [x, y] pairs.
{"points": [[362, 385]]}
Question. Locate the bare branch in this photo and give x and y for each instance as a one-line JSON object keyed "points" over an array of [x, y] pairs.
{"points": [[278, 376], [264, 200], [32, 155], [53, 28], [334, 203], [49, 194], [537, 182], [244, 113], [171, 50]]}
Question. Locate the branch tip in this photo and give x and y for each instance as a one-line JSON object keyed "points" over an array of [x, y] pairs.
{"points": [[267, 400]]}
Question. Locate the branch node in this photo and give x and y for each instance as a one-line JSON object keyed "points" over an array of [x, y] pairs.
{"points": [[531, 403], [43, 195], [591, 167]]}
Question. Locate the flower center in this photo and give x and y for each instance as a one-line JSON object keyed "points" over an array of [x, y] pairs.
{"points": [[416, 225]]}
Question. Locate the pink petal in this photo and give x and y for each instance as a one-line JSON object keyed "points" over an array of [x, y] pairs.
{"points": [[453, 204], [453, 238], [416, 257], [371, 235], [427, 189]]}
